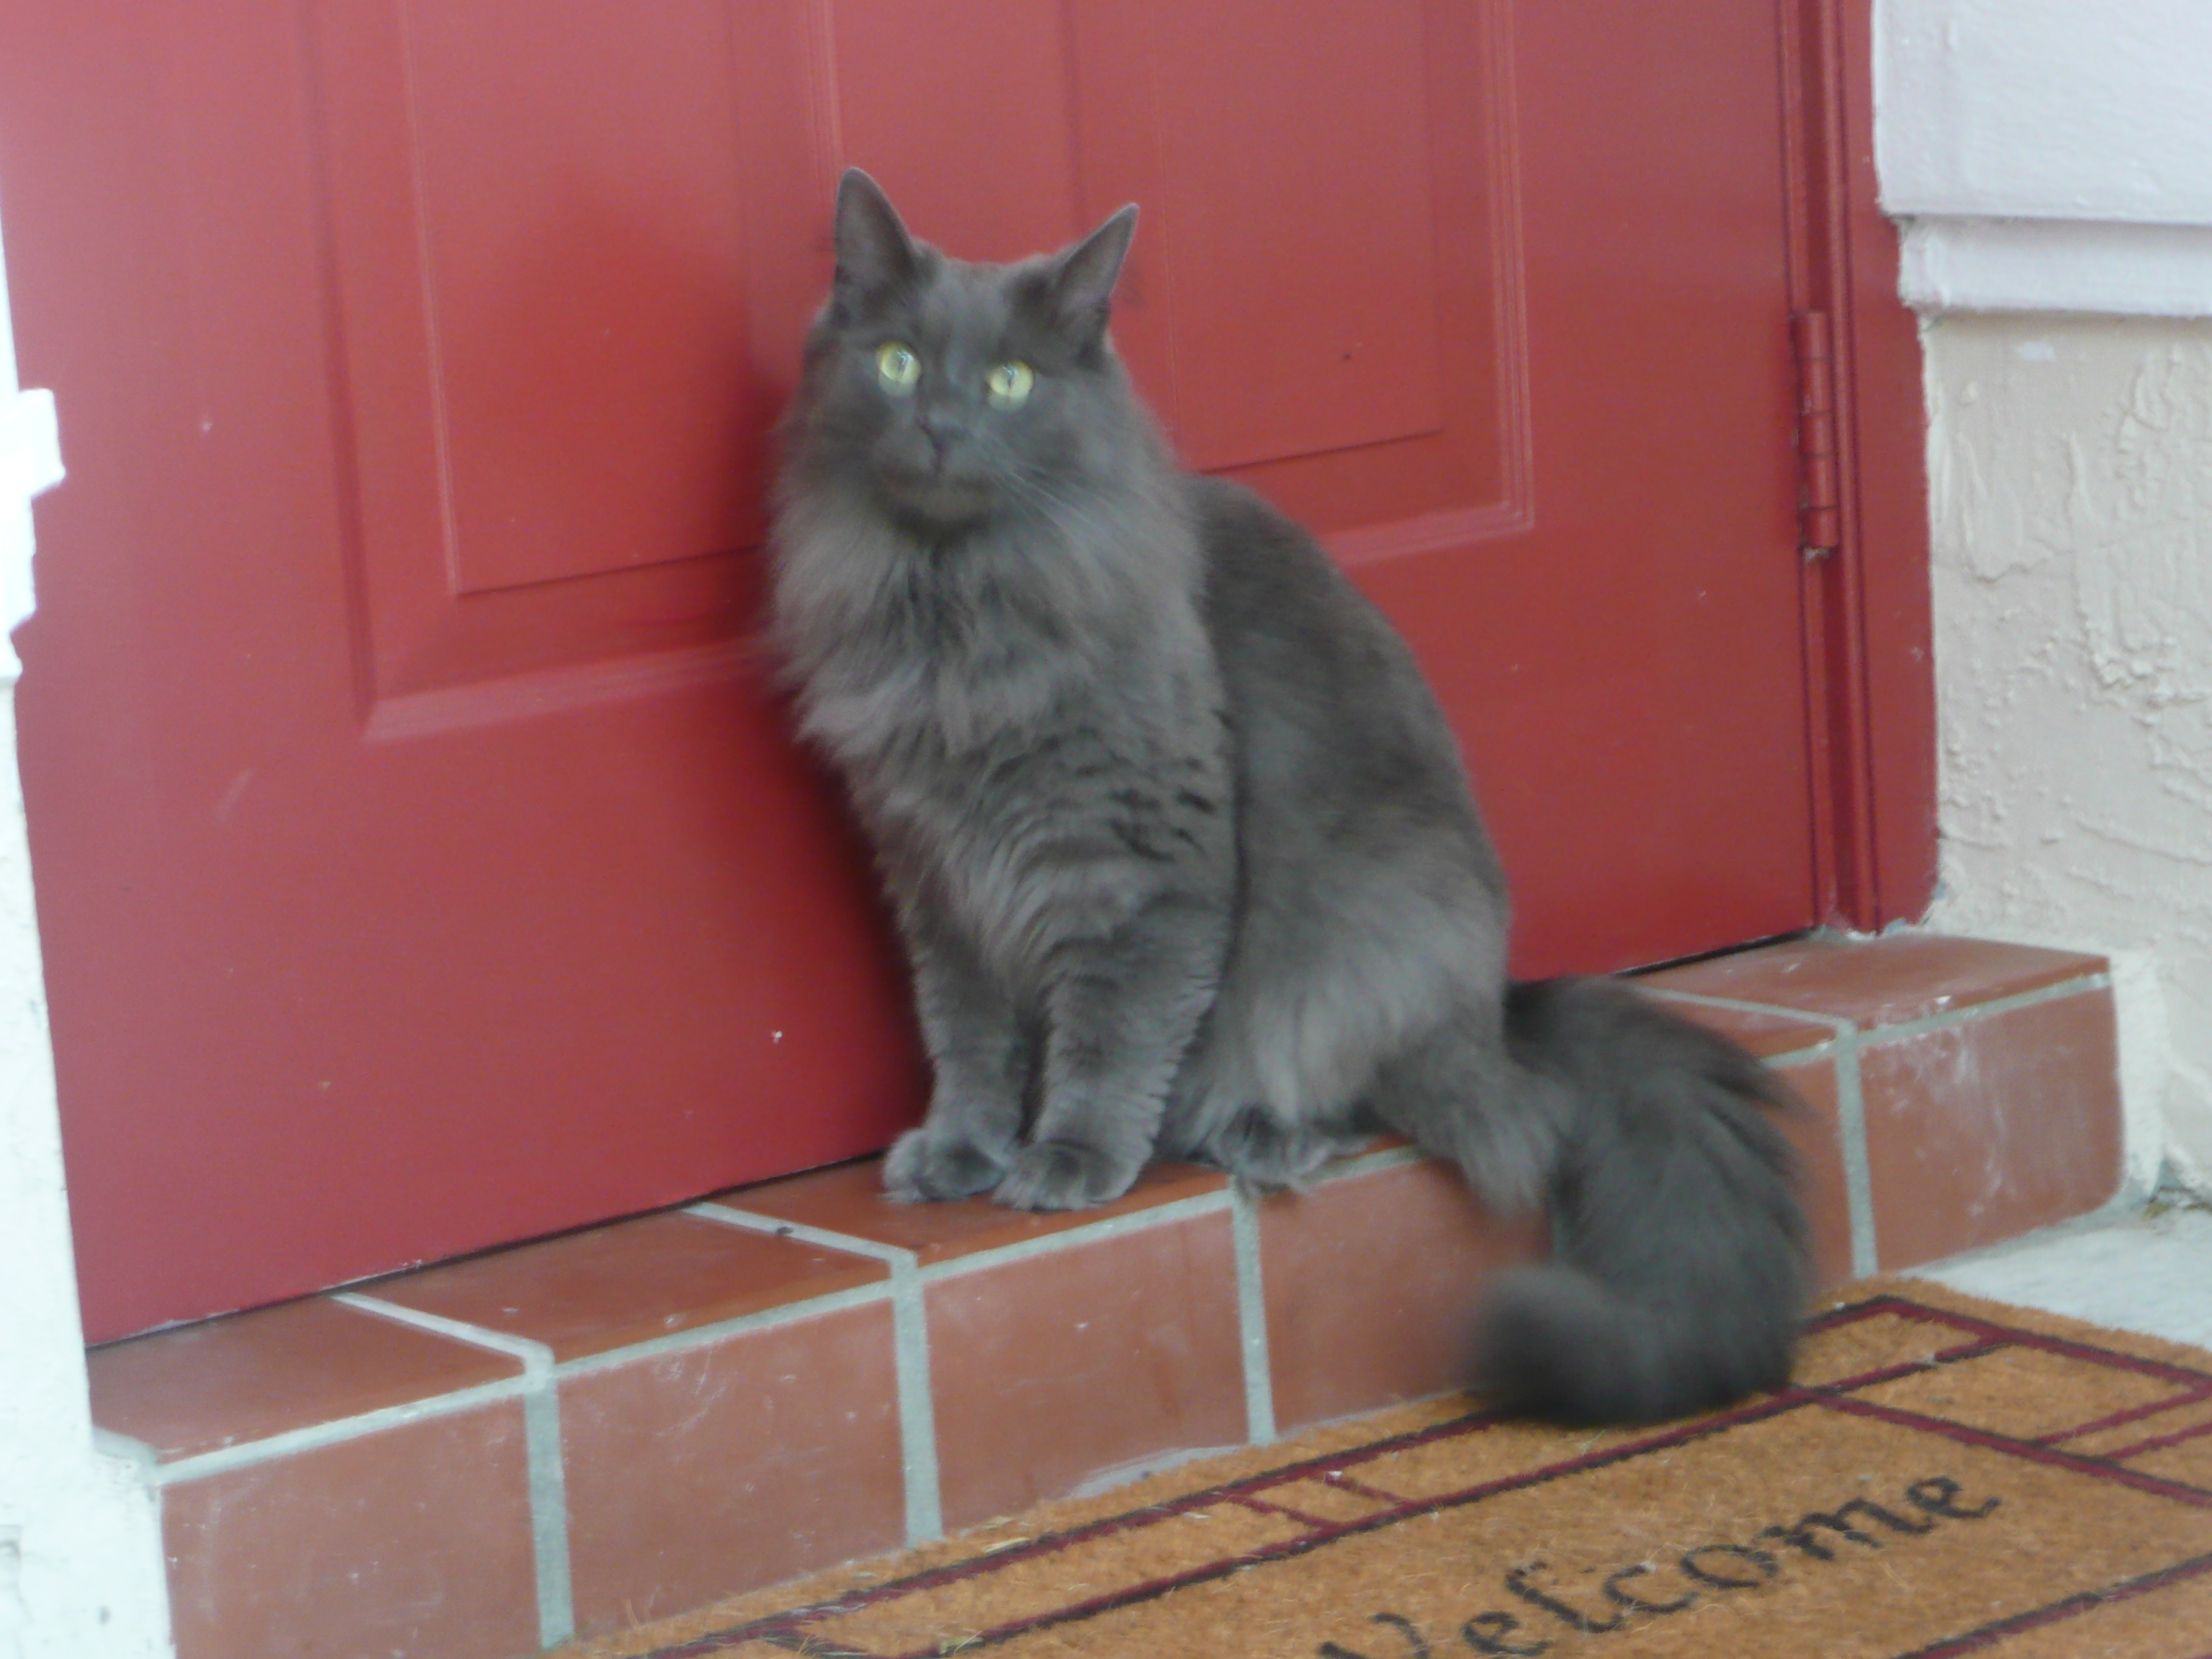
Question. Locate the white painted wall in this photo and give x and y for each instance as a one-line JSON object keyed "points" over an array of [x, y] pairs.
{"points": [[80, 1570], [2052, 163], [2049, 155], [2089, 110]]}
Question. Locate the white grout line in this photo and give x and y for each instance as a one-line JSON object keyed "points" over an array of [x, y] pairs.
{"points": [[1252, 1315], [753, 1221], [1964, 1013], [1135, 1221], [537, 1358], [925, 1503], [1909, 1028], [917, 1407], [702, 1336], [247, 1453], [1858, 1171], [549, 1513], [1802, 1015], [541, 1431]]}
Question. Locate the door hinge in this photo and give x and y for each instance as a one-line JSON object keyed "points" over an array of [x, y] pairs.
{"points": [[1820, 486]]}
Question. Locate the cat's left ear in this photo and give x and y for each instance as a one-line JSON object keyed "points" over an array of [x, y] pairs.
{"points": [[1079, 284]]}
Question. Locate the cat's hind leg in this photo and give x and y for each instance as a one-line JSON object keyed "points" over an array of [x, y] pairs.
{"points": [[1256, 1145], [1249, 1121]]}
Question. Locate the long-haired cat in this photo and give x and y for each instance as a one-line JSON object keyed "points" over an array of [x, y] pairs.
{"points": [[1183, 853]]}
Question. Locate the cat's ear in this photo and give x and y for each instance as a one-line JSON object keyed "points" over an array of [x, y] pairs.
{"points": [[1079, 284], [875, 255]]}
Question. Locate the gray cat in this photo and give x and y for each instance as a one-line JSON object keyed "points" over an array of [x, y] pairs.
{"points": [[1183, 853]]}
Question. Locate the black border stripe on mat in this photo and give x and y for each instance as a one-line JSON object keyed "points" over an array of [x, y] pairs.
{"points": [[2068, 1608]]}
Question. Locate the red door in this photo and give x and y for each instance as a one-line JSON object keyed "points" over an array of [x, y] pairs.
{"points": [[421, 860]]}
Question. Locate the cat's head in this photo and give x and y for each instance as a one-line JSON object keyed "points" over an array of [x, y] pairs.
{"points": [[953, 393]]}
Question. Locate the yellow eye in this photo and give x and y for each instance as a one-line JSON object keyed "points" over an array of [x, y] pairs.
{"points": [[898, 368], [1008, 385]]}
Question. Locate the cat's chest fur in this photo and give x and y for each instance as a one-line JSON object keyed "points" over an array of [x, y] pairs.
{"points": [[1036, 768]]}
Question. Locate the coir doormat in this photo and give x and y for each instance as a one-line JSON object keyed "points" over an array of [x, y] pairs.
{"points": [[1946, 1476]]}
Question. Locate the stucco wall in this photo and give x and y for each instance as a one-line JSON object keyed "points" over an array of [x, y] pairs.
{"points": [[2070, 472]]}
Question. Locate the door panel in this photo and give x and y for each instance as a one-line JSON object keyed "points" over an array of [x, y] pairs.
{"points": [[1334, 219], [422, 863], [1316, 302], [578, 432], [541, 240]]}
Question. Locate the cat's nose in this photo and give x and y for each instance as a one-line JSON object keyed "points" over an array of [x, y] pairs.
{"points": [[941, 426]]}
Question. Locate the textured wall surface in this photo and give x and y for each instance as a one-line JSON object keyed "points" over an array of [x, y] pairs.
{"points": [[2070, 468]]}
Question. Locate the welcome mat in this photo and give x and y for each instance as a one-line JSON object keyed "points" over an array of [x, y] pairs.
{"points": [[1945, 1476]]}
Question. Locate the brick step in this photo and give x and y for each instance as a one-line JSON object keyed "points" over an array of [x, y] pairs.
{"points": [[481, 1458]]}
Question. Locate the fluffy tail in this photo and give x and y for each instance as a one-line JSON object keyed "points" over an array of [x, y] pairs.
{"points": [[1678, 1273]]}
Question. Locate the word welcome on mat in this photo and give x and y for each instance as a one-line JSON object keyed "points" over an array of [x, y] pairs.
{"points": [[1944, 1477]]}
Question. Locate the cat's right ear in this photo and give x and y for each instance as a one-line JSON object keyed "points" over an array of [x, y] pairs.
{"points": [[875, 255], [1079, 283]]}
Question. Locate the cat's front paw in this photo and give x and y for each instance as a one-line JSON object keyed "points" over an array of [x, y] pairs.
{"points": [[924, 1164], [1062, 1175]]}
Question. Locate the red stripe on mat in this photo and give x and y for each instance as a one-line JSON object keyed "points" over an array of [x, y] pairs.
{"points": [[2159, 1443], [2032, 1451], [2132, 1414]]}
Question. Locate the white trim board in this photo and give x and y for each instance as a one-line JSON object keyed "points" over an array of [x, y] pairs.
{"points": [[2056, 265]]}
